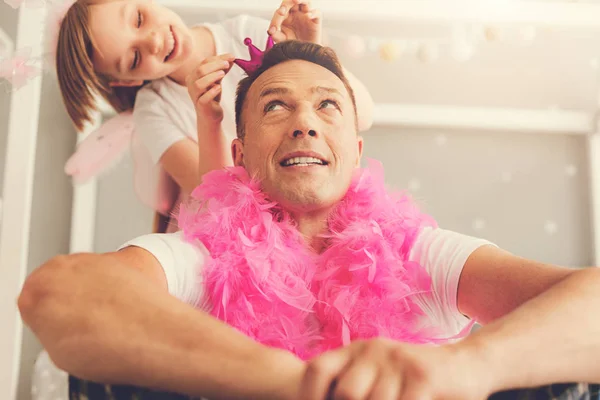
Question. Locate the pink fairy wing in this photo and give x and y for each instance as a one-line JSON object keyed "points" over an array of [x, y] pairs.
{"points": [[106, 146], [153, 186], [102, 149]]}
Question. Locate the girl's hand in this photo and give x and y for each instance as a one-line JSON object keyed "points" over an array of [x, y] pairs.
{"points": [[204, 88], [296, 19]]}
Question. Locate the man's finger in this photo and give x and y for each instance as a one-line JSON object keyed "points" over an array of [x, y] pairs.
{"points": [[387, 386], [321, 374], [412, 391], [357, 380]]}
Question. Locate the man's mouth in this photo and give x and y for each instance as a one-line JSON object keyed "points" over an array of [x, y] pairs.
{"points": [[302, 161], [172, 43]]}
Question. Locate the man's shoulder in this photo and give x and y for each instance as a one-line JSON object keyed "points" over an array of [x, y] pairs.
{"points": [[175, 243]]}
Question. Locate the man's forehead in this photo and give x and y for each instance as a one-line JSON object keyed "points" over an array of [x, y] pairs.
{"points": [[278, 89], [297, 76]]}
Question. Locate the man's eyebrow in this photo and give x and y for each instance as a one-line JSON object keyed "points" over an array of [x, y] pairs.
{"points": [[282, 91], [274, 90], [325, 90]]}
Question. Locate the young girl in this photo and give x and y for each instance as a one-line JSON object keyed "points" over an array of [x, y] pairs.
{"points": [[140, 55]]}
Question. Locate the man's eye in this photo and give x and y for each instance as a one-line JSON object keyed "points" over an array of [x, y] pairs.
{"points": [[272, 106], [139, 23]]}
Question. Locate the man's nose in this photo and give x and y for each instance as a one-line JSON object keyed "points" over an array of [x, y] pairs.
{"points": [[305, 124], [299, 133]]}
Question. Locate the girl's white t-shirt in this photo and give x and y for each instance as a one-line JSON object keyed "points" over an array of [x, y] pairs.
{"points": [[164, 113]]}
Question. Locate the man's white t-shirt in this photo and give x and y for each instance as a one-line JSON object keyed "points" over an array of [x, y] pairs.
{"points": [[443, 253], [164, 113]]}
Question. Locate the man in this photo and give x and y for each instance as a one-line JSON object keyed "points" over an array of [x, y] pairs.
{"points": [[279, 248]]}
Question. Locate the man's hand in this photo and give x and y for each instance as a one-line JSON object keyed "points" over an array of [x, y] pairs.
{"points": [[204, 88], [384, 369], [296, 19]]}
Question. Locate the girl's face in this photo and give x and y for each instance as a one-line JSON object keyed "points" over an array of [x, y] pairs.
{"points": [[137, 40]]}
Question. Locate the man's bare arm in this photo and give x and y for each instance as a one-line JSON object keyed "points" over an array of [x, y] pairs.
{"points": [[540, 319], [109, 318]]}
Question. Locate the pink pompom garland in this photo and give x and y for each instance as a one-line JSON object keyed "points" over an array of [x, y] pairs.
{"points": [[262, 279]]}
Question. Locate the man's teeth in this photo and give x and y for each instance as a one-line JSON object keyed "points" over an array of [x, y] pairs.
{"points": [[302, 161]]}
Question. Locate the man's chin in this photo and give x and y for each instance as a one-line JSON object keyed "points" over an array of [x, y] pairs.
{"points": [[306, 200]]}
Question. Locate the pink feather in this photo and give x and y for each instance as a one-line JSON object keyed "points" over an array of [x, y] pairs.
{"points": [[264, 280]]}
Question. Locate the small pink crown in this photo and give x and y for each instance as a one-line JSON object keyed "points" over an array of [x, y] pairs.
{"points": [[256, 56]]}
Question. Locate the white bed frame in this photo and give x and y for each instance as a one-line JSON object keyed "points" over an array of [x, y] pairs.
{"points": [[23, 127]]}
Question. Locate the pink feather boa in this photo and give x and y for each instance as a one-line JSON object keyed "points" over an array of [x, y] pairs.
{"points": [[263, 280]]}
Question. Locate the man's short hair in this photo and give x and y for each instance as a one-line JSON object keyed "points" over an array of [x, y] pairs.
{"points": [[287, 51]]}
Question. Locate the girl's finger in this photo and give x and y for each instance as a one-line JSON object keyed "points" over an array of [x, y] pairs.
{"points": [[201, 85], [279, 37], [280, 15], [314, 15], [304, 5], [209, 95], [209, 67]]}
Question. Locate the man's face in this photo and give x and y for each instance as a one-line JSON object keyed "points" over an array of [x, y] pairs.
{"points": [[300, 136], [137, 40]]}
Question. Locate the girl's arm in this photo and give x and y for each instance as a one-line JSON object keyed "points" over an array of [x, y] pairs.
{"points": [[186, 162], [180, 161], [214, 149]]}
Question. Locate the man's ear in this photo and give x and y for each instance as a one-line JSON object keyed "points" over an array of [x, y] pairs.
{"points": [[125, 83], [237, 152], [360, 150]]}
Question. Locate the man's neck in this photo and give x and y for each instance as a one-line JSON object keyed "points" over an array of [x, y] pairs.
{"points": [[203, 46], [312, 227]]}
